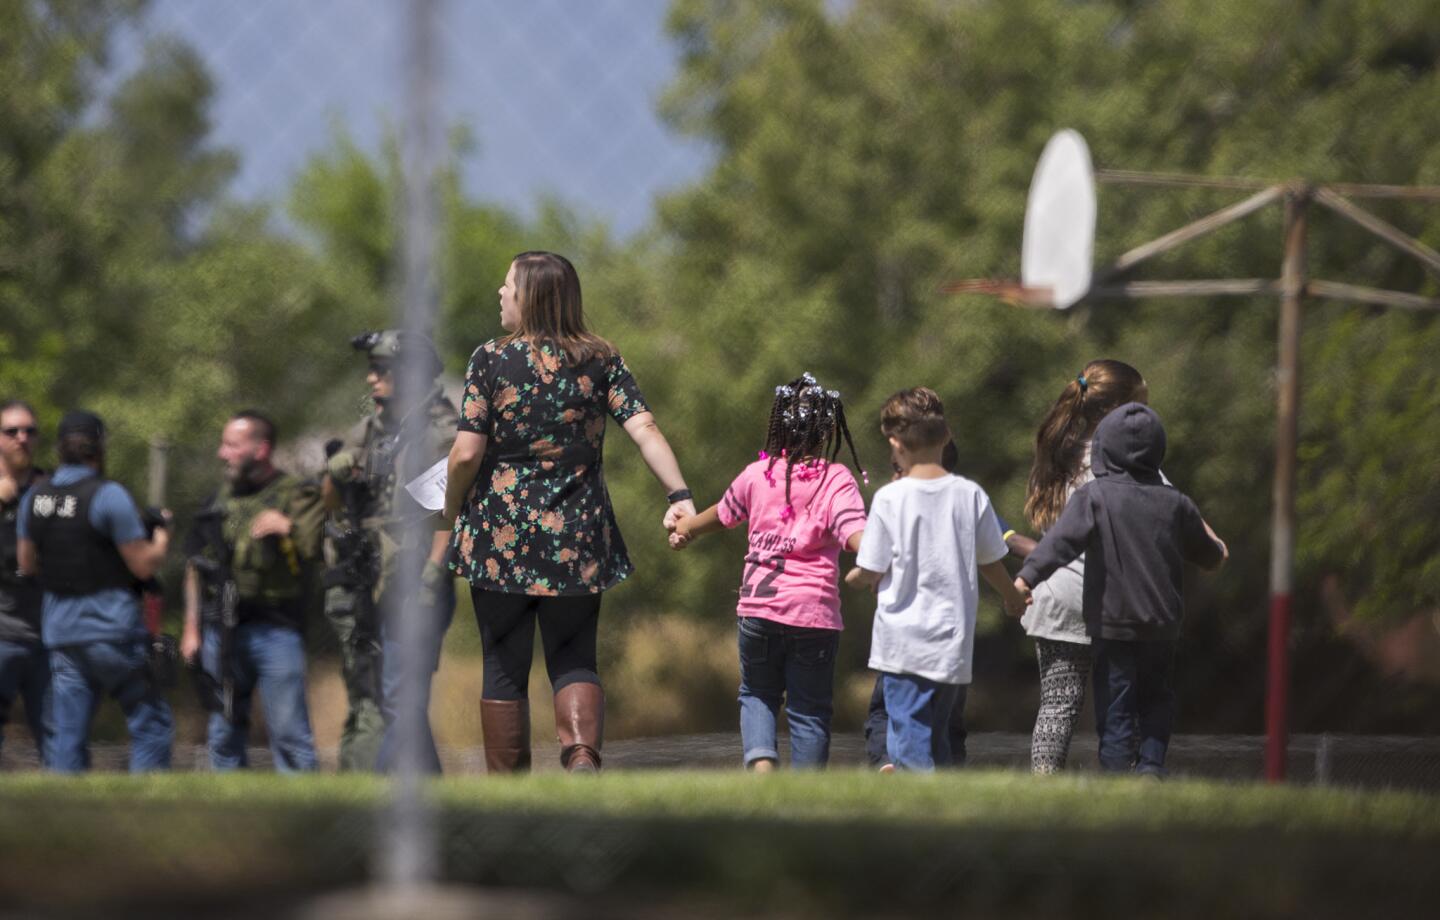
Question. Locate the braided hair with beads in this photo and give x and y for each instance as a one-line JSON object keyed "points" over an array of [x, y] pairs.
{"points": [[807, 423]]}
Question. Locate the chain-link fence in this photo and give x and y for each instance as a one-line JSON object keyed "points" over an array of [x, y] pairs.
{"points": [[203, 203]]}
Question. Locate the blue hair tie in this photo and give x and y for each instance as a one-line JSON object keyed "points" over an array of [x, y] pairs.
{"points": [[1084, 384]]}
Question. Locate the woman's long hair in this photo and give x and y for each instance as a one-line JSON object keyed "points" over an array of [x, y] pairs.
{"points": [[548, 289], [1104, 385]]}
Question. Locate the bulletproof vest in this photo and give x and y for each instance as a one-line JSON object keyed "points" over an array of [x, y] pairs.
{"points": [[267, 571], [9, 547], [75, 558], [12, 586]]}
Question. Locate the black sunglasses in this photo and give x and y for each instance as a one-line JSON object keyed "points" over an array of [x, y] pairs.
{"points": [[17, 430]]}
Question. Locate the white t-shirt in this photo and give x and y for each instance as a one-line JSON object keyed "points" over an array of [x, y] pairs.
{"points": [[928, 536]]}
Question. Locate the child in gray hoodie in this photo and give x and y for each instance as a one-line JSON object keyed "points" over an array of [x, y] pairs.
{"points": [[1136, 533]]}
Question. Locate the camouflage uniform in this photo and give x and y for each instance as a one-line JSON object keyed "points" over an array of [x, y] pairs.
{"points": [[356, 624], [379, 455]]}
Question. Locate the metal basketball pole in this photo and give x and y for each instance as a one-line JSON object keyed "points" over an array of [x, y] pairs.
{"points": [[1282, 526]]}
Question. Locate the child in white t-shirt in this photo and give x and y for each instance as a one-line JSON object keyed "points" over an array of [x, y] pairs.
{"points": [[929, 534]]}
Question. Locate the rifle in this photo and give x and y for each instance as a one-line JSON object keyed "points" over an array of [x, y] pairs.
{"points": [[163, 651], [218, 575], [357, 566]]}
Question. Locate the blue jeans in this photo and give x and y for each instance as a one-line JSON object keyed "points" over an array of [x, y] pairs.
{"points": [[1134, 703], [25, 671], [796, 665], [272, 658], [920, 709], [437, 619], [80, 677]]}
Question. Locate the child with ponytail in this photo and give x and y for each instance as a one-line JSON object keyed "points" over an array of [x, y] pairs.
{"points": [[1053, 620], [803, 507]]}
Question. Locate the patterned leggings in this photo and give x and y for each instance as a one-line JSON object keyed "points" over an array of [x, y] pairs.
{"points": [[1064, 676]]}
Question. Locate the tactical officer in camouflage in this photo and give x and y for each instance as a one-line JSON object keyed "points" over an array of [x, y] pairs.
{"points": [[263, 535], [376, 527]]}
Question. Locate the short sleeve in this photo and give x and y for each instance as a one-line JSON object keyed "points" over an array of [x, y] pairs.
{"points": [[734, 507], [846, 509], [989, 538], [475, 406], [623, 398], [113, 513], [877, 547], [22, 515]]}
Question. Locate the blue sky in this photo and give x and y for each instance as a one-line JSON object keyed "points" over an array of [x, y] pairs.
{"points": [[560, 95]]}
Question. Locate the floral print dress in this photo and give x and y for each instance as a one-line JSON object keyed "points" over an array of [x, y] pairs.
{"points": [[538, 519]]}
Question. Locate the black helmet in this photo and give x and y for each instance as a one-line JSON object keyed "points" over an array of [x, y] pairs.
{"points": [[391, 345]]}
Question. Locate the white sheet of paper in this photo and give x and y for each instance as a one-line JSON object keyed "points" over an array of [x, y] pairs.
{"points": [[428, 489]]}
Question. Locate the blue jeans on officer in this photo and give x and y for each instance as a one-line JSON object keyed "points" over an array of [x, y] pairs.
{"points": [[81, 676], [269, 657], [25, 672], [794, 665]]}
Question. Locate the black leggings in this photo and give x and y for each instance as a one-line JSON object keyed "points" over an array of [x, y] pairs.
{"points": [[507, 633]]}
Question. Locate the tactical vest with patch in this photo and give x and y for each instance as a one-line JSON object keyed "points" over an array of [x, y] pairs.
{"points": [[75, 559], [269, 573]]}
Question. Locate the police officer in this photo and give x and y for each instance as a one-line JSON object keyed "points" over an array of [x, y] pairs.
{"points": [[24, 667], [365, 490], [259, 533], [82, 536]]}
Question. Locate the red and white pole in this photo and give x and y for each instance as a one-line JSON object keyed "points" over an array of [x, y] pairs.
{"points": [[1282, 534]]}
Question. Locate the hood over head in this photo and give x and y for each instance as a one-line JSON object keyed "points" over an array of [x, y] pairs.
{"points": [[1129, 443]]}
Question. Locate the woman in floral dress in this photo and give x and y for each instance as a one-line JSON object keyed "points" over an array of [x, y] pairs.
{"points": [[535, 534]]}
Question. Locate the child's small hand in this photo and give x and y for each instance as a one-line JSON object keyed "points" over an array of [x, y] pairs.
{"points": [[1025, 595], [680, 535], [1015, 605], [861, 578]]}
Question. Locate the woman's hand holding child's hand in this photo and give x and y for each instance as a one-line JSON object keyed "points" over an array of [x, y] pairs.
{"points": [[679, 527]]}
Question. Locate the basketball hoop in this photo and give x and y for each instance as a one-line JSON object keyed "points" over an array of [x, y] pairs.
{"points": [[1059, 242], [1007, 289]]}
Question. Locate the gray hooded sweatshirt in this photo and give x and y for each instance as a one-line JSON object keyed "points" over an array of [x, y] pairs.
{"points": [[1136, 533]]}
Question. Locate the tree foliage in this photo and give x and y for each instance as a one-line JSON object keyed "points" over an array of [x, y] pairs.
{"points": [[864, 154]]}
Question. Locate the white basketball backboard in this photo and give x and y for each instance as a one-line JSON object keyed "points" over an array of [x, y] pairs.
{"points": [[1059, 243]]}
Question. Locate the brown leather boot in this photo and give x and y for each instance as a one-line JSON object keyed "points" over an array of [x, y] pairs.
{"points": [[505, 727], [580, 724]]}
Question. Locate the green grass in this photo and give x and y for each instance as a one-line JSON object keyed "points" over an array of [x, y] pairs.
{"points": [[973, 799], [843, 841]]}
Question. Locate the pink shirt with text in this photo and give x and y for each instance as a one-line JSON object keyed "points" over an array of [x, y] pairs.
{"points": [[793, 563]]}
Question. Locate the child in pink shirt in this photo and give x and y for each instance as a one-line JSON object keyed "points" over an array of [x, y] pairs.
{"points": [[802, 508]]}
